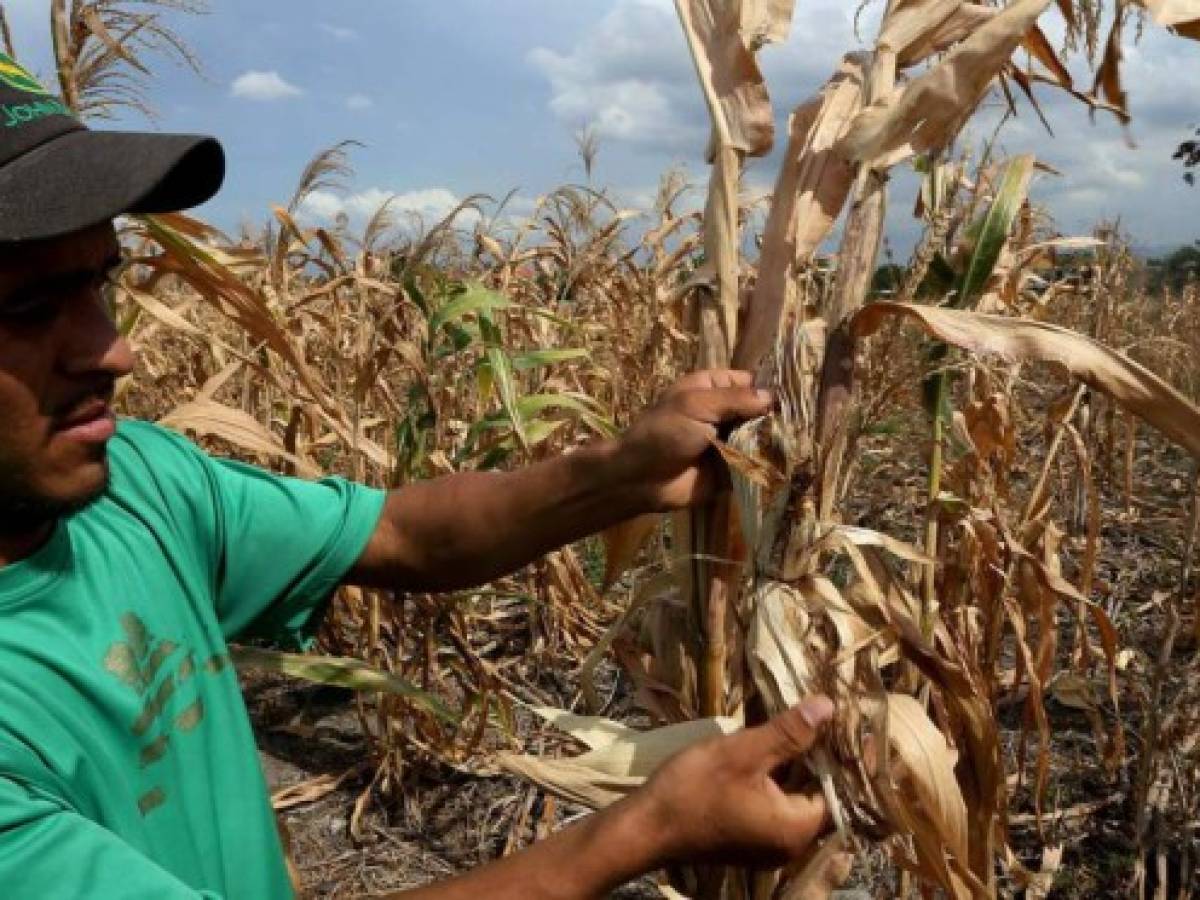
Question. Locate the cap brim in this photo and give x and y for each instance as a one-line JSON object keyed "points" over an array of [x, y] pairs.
{"points": [[84, 178]]}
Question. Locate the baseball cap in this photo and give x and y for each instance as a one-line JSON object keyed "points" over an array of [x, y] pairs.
{"points": [[58, 176]]}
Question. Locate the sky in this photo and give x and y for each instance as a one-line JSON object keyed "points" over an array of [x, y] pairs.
{"points": [[458, 97]]}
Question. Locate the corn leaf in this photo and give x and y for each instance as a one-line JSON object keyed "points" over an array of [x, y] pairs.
{"points": [[502, 374], [474, 299], [924, 116], [730, 78], [212, 419], [348, 673], [534, 359], [995, 228], [810, 193], [1183, 16], [765, 21], [620, 763], [911, 22], [960, 24], [623, 543], [1129, 383]]}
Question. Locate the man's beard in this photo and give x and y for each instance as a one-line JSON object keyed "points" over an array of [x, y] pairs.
{"points": [[23, 513]]}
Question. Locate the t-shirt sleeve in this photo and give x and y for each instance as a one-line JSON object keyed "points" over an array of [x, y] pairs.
{"points": [[274, 548], [285, 545], [47, 850]]}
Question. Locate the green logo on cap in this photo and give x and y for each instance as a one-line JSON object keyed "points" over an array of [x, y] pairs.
{"points": [[17, 78]]}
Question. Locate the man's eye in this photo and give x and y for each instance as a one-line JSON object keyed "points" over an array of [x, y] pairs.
{"points": [[29, 311]]}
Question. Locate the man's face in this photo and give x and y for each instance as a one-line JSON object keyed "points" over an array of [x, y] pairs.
{"points": [[60, 357]]}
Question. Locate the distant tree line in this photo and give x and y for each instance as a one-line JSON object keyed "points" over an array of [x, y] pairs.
{"points": [[1175, 270]]}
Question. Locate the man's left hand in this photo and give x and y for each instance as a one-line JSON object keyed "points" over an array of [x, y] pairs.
{"points": [[669, 452]]}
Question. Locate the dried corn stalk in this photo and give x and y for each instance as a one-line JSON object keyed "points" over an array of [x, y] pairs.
{"points": [[722, 38], [933, 792]]}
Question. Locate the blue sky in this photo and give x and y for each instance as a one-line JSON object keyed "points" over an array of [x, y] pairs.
{"points": [[453, 97]]}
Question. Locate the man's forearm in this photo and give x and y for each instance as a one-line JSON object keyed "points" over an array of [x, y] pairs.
{"points": [[587, 860], [467, 529]]}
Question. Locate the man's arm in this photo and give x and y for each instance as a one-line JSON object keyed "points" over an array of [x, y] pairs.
{"points": [[715, 803], [467, 529]]}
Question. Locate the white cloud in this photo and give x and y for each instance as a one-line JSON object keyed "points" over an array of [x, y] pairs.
{"points": [[631, 76], [322, 205], [359, 102], [338, 32], [627, 78], [265, 86], [420, 208]]}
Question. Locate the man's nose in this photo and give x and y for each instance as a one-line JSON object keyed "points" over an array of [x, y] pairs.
{"points": [[91, 344]]}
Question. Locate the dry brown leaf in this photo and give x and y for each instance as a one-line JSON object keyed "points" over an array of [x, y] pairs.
{"points": [[926, 114], [1129, 383], [733, 86], [913, 22], [812, 188], [212, 419], [1181, 15], [775, 645], [962, 23], [756, 470], [311, 790], [765, 21], [742, 125], [841, 535], [163, 313], [1038, 45], [791, 656], [623, 543], [620, 763], [1108, 76], [1074, 692], [927, 800]]}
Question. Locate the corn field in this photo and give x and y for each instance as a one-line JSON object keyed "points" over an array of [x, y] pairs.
{"points": [[971, 520]]}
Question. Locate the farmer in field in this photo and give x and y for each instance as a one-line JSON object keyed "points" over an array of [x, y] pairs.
{"points": [[129, 558]]}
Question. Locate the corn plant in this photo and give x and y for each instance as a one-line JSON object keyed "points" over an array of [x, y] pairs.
{"points": [[783, 598]]}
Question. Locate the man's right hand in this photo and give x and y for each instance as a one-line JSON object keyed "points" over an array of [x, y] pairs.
{"points": [[714, 803], [717, 802]]}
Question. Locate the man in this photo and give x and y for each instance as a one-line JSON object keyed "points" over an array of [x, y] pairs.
{"points": [[128, 559]]}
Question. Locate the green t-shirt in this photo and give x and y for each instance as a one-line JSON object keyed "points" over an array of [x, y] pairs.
{"points": [[127, 763]]}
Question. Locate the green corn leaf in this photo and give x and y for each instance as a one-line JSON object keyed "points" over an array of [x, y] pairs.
{"points": [[494, 458], [994, 228], [474, 299], [414, 293], [534, 407], [990, 233], [485, 379], [536, 358], [543, 428], [502, 450], [582, 405], [502, 374], [340, 672]]}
